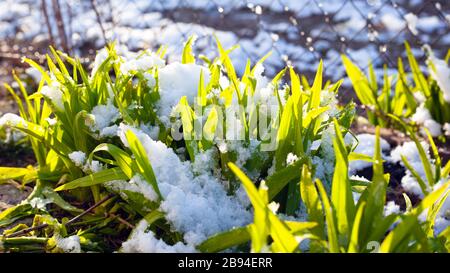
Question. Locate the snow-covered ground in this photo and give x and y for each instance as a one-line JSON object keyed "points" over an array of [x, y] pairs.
{"points": [[298, 32]]}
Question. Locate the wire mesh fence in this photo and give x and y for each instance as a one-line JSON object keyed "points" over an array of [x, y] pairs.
{"points": [[297, 32]]}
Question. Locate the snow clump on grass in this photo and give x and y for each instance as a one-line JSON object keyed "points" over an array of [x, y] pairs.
{"points": [[205, 162], [142, 61], [12, 135], [423, 117], [177, 80], [411, 21], [143, 187], [391, 208], [102, 117], [78, 158], [440, 72], [10, 119], [142, 240], [410, 152], [54, 94], [291, 159], [70, 244], [197, 206], [324, 161]]}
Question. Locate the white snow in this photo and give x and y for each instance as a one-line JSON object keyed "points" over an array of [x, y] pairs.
{"points": [[151, 82], [443, 217], [205, 162], [391, 208], [410, 152], [142, 240], [197, 206], [315, 145], [70, 244], [12, 135], [366, 146], [93, 167], [54, 94], [51, 121], [411, 20], [100, 57], [324, 162], [103, 116], [136, 184], [38, 202], [10, 119], [144, 187], [393, 22], [291, 159], [177, 80], [109, 131], [440, 72], [34, 73], [446, 129], [78, 158], [423, 117], [142, 62]]}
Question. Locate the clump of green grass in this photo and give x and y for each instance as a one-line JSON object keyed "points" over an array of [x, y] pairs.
{"points": [[401, 94], [337, 223], [90, 184]]}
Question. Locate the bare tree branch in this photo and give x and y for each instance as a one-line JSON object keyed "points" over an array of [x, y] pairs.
{"points": [[47, 21], [60, 25], [99, 19]]}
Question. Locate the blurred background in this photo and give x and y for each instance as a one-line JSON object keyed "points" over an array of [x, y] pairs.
{"points": [[298, 32]]}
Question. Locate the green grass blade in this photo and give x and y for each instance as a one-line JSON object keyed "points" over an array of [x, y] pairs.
{"points": [[225, 240], [188, 56], [142, 161], [94, 179], [332, 230]]}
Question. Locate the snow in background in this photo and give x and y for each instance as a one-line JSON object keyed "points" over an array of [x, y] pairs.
{"points": [[298, 32]]}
